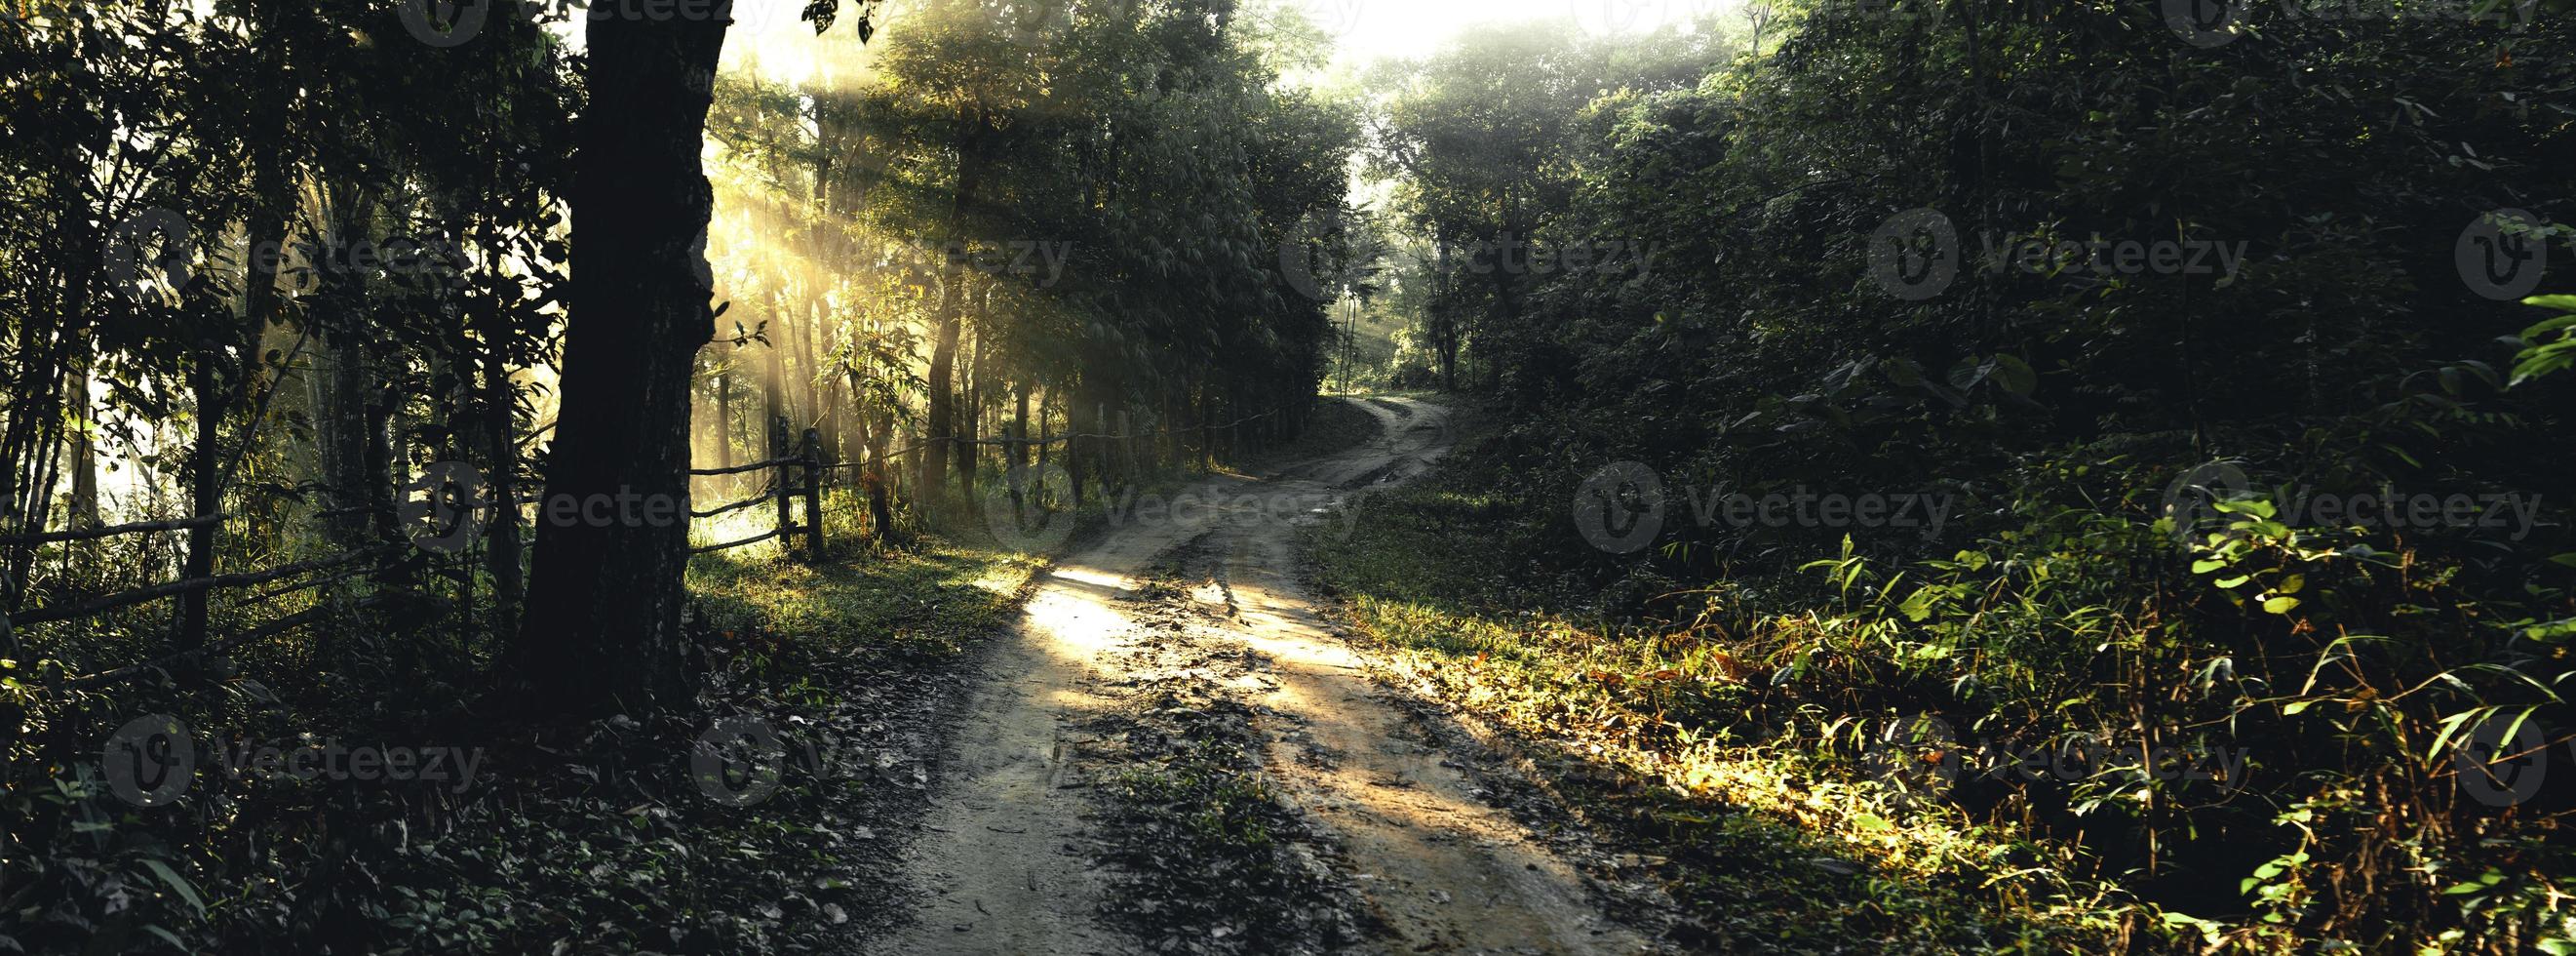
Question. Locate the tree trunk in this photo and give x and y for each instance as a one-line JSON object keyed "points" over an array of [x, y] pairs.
{"points": [[84, 442], [724, 409], [970, 422], [1046, 435], [943, 362], [1076, 447], [339, 315], [952, 304], [773, 379], [603, 626], [809, 379], [1019, 462], [205, 495], [500, 404]]}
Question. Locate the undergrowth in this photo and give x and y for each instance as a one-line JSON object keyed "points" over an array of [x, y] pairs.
{"points": [[2075, 733]]}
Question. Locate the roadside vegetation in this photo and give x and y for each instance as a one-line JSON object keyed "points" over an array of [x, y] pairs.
{"points": [[2232, 603]]}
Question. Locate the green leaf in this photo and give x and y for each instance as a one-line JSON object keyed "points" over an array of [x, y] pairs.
{"points": [[178, 885], [2014, 375], [2548, 326], [2247, 506], [2568, 560], [2536, 362], [2451, 726], [1918, 605], [2281, 605], [2206, 565], [2552, 631], [2294, 707]]}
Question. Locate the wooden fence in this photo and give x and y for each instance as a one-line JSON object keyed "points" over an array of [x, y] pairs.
{"points": [[785, 485], [798, 474]]}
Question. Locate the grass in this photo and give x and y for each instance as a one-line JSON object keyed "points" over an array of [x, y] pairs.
{"points": [[934, 598], [1779, 839]]}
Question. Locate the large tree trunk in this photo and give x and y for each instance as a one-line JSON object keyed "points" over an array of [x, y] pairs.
{"points": [[603, 624]]}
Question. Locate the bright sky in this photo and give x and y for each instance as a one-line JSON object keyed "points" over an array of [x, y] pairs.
{"points": [[1369, 30], [1364, 30]]}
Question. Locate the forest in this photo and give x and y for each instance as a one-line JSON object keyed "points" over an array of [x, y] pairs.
{"points": [[1287, 476]]}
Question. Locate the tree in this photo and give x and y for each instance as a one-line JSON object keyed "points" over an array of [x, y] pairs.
{"points": [[603, 625]]}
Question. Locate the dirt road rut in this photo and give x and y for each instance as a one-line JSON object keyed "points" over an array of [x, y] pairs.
{"points": [[1199, 603]]}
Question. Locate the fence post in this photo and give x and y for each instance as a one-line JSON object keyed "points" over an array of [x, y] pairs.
{"points": [[782, 490], [813, 496]]}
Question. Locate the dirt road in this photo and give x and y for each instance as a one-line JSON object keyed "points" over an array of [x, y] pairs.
{"points": [[1190, 620]]}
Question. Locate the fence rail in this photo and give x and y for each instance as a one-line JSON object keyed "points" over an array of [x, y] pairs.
{"points": [[50, 614], [784, 488], [795, 475], [89, 534]]}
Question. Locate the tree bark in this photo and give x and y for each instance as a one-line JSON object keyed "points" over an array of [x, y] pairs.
{"points": [[84, 443], [943, 364], [500, 403], [724, 409], [1019, 461], [971, 420], [339, 315], [952, 304], [603, 629], [1076, 448]]}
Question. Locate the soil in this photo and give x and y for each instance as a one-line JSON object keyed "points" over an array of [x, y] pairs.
{"points": [[1173, 751]]}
